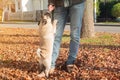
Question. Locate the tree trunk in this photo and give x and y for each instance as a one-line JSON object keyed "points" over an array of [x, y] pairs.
{"points": [[88, 21]]}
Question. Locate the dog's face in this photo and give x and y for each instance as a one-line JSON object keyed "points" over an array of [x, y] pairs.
{"points": [[45, 17]]}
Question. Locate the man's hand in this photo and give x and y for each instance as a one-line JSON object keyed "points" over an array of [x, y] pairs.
{"points": [[51, 7]]}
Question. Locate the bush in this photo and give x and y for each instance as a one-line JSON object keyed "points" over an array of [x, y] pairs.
{"points": [[116, 10], [105, 10]]}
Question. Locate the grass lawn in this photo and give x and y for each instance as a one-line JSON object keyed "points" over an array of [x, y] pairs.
{"points": [[99, 39]]}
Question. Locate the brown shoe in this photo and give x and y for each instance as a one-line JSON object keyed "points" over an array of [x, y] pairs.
{"points": [[69, 68]]}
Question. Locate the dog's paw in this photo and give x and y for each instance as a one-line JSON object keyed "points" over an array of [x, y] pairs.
{"points": [[51, 70], [55, 21], [42, 74], [38, 52]]}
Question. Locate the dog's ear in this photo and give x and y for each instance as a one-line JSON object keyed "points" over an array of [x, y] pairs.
{"points": [[42, 20], [48, 14], [38, 22], [41, 15]]}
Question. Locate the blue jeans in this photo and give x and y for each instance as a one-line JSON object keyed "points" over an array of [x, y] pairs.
{"points": [[61, 14]]}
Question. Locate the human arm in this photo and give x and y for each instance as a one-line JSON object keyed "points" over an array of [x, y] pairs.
{"points": [[51, 5]]}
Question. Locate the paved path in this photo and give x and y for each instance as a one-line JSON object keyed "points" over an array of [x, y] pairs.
{"points": [[111, 29], [20, 25], [104, 28], [98, 27]]}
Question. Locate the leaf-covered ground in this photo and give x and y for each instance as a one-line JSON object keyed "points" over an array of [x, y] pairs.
{"points": [[18, 60]]}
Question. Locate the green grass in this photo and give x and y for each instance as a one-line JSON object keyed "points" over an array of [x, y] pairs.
{"points": [[103, 39], [99, 39], [66, 38]]}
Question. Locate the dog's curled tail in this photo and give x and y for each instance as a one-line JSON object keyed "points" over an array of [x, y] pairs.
{"points": [[38, 52]]}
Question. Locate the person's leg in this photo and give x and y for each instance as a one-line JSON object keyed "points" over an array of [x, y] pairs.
{"points": [[76, 15], [61, 15]]}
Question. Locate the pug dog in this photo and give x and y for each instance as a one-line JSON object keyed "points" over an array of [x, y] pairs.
{"points": [[47, 29]]}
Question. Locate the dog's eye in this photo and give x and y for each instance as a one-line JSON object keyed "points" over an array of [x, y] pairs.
{"points": [[44, 21]]}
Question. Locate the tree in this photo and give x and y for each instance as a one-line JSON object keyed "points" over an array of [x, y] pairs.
{"points": [[88, 22], [116, 10], [3, 4]]}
